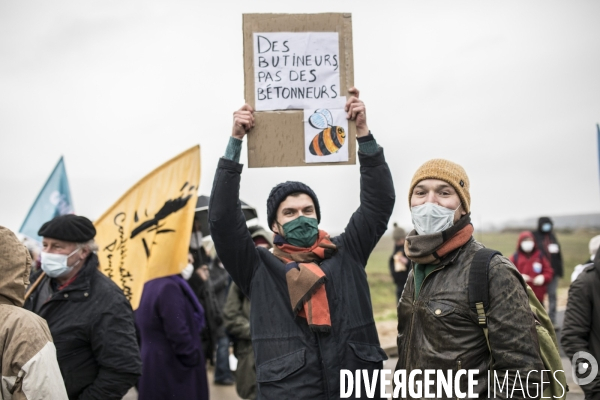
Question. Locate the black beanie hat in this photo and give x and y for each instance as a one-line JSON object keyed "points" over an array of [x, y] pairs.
{"points": [[70, 228], [283, 190]]}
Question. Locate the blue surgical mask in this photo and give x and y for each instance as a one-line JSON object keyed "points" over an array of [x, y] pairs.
{"points": [[55, 265], [546, 227], [431, 218]]}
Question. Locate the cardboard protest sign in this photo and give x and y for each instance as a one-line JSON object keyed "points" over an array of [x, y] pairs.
{"points": [[296, 64], [146, 233]]}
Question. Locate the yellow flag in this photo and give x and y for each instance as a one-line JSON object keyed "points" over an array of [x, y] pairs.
{"points": [[146, 233]]}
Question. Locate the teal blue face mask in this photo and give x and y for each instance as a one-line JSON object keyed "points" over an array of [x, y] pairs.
{"points": [[302, 231]]}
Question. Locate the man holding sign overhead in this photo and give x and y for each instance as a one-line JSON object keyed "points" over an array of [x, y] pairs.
{"points": [[311, 310]]}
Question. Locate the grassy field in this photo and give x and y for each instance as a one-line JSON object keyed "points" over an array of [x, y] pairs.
{"points": [[574, 247]]}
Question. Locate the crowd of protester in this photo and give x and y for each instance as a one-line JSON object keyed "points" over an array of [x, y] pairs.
{"points": [[293, 305]]}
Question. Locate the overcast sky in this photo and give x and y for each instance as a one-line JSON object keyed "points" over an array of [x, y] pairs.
{"points": [[510, 90]]}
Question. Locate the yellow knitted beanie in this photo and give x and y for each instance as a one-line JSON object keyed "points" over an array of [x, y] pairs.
{"points": [[446, 171]]}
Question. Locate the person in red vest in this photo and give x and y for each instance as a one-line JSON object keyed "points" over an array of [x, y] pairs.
{"points": [[533, 266]]}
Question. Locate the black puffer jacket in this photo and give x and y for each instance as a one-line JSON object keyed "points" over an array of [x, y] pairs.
{"points": [[291, 360], [439, 331], [581, 326], [92, 326]]}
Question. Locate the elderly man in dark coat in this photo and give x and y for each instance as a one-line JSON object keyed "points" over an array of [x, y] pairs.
{"points": [[169, 320], [90, 319], [311, 312]]}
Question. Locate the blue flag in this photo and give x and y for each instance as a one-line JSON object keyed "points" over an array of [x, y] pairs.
{"points": [[54, 199]]}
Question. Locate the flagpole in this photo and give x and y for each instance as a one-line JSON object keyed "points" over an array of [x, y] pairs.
{"points": [[598, 142], [35, 284]]}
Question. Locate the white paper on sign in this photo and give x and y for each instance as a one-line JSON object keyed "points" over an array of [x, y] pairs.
{"points": [[296, 70], [325, 135]]}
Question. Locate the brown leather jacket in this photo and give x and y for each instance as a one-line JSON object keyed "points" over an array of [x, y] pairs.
{"points": [[439, 331]]}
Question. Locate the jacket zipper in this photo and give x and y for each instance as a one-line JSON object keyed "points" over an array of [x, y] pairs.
{"points": [[412, 318]]}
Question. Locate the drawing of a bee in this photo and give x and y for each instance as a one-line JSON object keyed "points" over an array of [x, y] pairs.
{"points": [[330, 139]]}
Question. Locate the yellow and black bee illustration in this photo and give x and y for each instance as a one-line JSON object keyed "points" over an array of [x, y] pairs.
{"points": [[330, 139]]}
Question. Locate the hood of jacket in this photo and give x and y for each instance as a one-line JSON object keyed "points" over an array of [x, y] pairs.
{"points": [[526, 235], [542, 221], [15, 264]]}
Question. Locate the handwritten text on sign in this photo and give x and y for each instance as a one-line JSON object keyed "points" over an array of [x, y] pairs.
{"points": [[296, 70]]}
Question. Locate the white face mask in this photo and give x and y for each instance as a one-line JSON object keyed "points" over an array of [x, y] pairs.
{"points": [[431, 218], [55, 265], [527, 246], [187, 272]]}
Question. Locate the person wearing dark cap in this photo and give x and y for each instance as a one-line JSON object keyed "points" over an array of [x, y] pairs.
{"points": [[437, 329], [547, 242], [90, 319], [311, 312]]}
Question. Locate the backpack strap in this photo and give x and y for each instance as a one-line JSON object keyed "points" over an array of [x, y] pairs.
{"points": [[479, 300]]}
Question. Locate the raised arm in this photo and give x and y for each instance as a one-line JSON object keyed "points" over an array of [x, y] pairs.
{"points": [[377, 195], [227, 223]]}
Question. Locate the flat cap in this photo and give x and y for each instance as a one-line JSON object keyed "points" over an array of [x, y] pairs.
{"points": [[70, 228]]}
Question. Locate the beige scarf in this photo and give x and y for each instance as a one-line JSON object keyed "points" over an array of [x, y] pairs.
{"points": [[430, 249]]}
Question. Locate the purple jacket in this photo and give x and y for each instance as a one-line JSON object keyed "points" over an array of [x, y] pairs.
{"points": [[169, 319]]}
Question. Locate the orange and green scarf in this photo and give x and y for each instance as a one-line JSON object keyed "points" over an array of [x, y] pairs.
{"points": [[306, 280]]}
